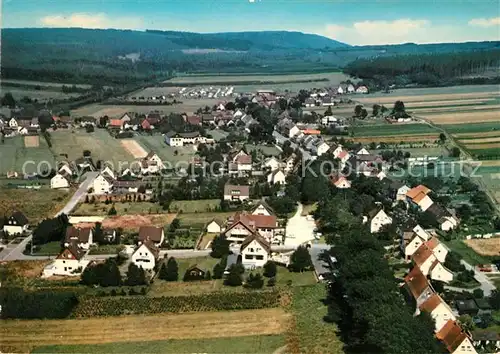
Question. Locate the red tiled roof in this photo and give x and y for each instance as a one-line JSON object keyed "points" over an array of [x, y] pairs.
{"points": [[342, 154], [422, 254], [416, 191], [451, 335], [151, 233], [115, 123], [431, 303], [432, 243], [256, 221], [416, 282]]}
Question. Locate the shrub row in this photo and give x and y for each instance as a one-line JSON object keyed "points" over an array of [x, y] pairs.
{"points": [[216, 301]]}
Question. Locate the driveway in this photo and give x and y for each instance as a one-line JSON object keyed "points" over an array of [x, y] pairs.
{"points": [[15, 251], [299, 230]]}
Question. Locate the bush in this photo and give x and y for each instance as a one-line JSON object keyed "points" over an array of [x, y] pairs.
{"points": [[216, 301], [271, 282], [234, 276], [270, 269], [254, 281], [300, 260]]}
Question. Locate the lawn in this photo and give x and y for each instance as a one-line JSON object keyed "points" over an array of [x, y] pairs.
{"points": [[102, 209], [101, 145], [201, 219], [466, 252], [48, 249], [246, 344], [14, 156], [194, 206], [266, 150], [167, 153], [310, 334], [104, 249], [35, 204]]}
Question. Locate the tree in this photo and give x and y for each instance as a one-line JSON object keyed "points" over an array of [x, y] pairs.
{"points": [[112, 211], [300, 260], [495, 299], [478, 293], [8, 100], [135, 275], [218, 271], [364, 113], [271, 282], [375, 110], [357, 110], [270, 269], [162, 274], [98, 232], [466, 322], [442, 138], [455, 152], [234, 276], [89, 128], [254, 281], [172, 270], [208, 275], [220, 247]]}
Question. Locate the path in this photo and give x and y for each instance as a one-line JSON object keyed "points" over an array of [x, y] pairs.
{"points": [[14, 252]]}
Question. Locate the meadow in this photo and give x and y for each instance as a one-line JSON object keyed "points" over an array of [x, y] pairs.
{"points": [[15, 156], [157, 144]]}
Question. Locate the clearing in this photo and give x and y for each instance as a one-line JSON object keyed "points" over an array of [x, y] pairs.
{"points": [[485, 247], [134, 221], [167, 153], [30, 333], [195, 206], [247, 344], [134, 148]]}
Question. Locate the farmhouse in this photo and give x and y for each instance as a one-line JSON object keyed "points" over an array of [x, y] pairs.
{"points": [[180, 139], [59, 181], [102, 185], [70, 262], [146, 255], [455, 339], [16, 224], [236, 193], [81, 237], [255, 251], [151, 163], [151, 233]]}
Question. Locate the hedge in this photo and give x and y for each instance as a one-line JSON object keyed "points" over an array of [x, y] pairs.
{"points": [[18, 303], [216, 301]]}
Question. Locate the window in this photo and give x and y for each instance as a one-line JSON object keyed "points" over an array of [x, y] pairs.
{"points": [[260, 258], [250, 250], [249, 256]]}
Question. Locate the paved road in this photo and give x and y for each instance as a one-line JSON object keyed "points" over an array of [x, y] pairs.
{"points": [[299, 230], [13, 252]]}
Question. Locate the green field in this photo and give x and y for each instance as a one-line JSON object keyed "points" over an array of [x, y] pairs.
{"points": [[437, 91], [194, 206], [201, 219], [41, 95], [48, 249], [472, 127], [232, 79], [157, 144], [42, 83], [101, 145], [247, 344], [264, 149], [14, 156], [393, 129], [101, 209], [467, 253]]}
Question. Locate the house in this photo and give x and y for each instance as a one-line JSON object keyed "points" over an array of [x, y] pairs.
{"points": [[271, 163], [362, 90], [193, 120], [65, 169], [151, 163], [102, 185], [329, 120], [310, 102], [419, 196], [290, 163], [288, 128], [238, 114], [444, 218], [34, 123], [320, 147], [127, 186], [429, 265], [276, 177], [108, 172], [439, 310], [262, 209], [16, 224], [340, 90], [255, 251], [241, 163], [455, 339], [483, 339], [437, 248], [398, 190], [378, 218], [125, 118], [115, 123], [13, 123], [81, 237], [214, 227], [70, 262], [84, 121], [340, 181], [146, 255], [151, 233], [362, 151], [59, 181], [242, 224], [350, 88], [411, 242], [194, 273], [467, 307], [327, 101], [236, 193], [418, 287], [180, 139]]}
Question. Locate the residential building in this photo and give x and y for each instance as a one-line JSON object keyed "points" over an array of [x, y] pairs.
{"points": [[146, 255], [70, 262], [242, 224], [13, 123], [262, 209], [276, 177], [340, 90], [439, 310], [153, 234], [59, 181], [484, 339], [16, 224], [180, 139], [288, 128], [236, 193], [310, 102], [241, 163], [455, 339], [290, 163], [378, 219], [102, 185], [81, 237], [340, 181], [362, 90], [429, 265], [271, 163], [362, 151], [255, 251], [214, 227], [418, 287], [419, 196], [151, 163], [108, 172], [444, 218], [350, 88]]}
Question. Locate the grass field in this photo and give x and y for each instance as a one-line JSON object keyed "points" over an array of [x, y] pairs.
{"points": [[393, 129], [246, 344], [201, 219], [101, 145], [43, 83], [264, 149], [48, 249], [309, 333], [102, 209], [157, 144], [467, 253], [15, 156], [35, 204], [24, 335], [40, 95], [194, 206]]}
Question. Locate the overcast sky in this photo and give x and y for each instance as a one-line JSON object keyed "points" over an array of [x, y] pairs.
{"points": [[349, 21]]}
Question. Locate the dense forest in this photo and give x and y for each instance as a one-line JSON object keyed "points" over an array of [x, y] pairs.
{"points": [[428, 69]]}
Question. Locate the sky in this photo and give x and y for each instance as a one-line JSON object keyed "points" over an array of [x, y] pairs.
{"points": [[356, 22]]}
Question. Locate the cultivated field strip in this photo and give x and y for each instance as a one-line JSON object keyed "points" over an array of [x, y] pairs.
{"points": [[480, 140], [448, 102], [457, 108], [485, 247], [435, 97], [495, 133], [397, 138], [483, 146], [30, 333], [467, 117]]}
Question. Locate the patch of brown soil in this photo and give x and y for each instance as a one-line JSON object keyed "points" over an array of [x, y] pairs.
{"points": [[134, 221], [485, 247]]}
